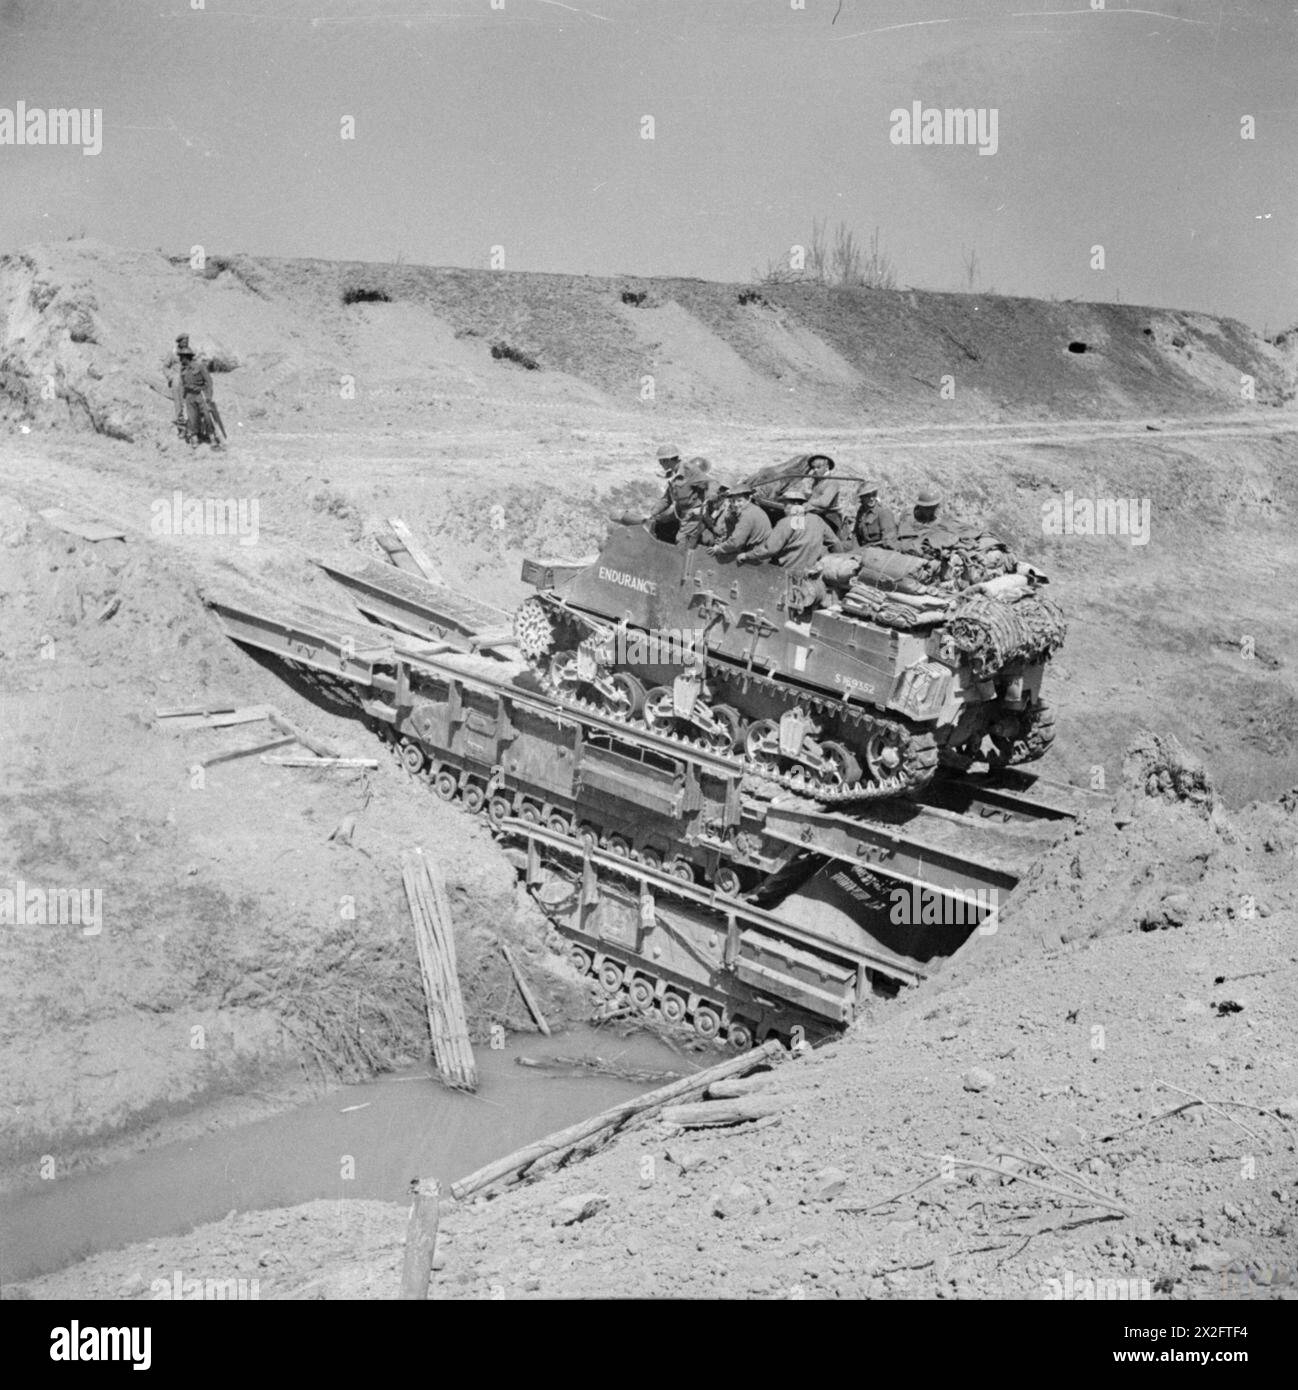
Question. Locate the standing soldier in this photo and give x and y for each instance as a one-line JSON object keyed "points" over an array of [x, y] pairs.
{"points": [[191, 393], [875, 523]]}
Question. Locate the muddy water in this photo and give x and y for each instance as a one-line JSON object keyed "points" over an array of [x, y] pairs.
{"points": [[392, 1129]]}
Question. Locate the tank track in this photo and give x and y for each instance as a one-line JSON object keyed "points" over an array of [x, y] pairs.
{"points": [[920, 756]]}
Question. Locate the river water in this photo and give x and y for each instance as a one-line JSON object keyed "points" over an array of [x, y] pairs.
{"points": [[392, 1129]]}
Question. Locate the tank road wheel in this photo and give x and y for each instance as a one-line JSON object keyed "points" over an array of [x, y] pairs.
{"points": [[739, 1035], [727, 881], [610, 977], [681, 868], [533, 630], [659, 710], [499, 808], [529, 813], [619, 845], [446, 785], [474, 796], [707, 1022], [884, 753], [651, 858], [413, 757], [559, 824], [762, 741], [673, 1008], [641, 994], [844, 769], [733, 728], [588, 835], [630, 696], [579, 959]]}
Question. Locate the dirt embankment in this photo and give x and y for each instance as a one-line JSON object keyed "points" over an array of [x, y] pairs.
{"points": [[84, 328], [1147, 966]]}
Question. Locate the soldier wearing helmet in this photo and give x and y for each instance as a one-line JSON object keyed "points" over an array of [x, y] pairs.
{"points": [[922, 528]]}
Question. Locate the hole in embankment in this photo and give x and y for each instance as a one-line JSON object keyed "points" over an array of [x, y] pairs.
{"points": [[1077, 347], [750, 297], [363, 296], [636, 297], [503, 352]]}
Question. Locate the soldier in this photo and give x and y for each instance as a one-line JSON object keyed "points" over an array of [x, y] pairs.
{"points": [[170, 366], [663, 521], [796, 542], [923, 526], [691, 495], [875, 523], [825, 499], [744, 525], [191, 390]]}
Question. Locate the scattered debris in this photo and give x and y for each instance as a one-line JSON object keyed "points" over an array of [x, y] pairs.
{"points": [[524, 989], [321, 762], [212, 716], [246, 752]]}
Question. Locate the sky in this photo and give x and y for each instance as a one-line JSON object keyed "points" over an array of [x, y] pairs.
{"points": [[520, 124]]}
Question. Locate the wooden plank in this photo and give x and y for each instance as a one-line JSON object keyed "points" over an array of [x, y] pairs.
{"points": [[246, 752], [610, 1120], [415, 550], [421, 1240], [320, 762], [316, 745], [434, 939], [524, 989], [87, 530], [708, 1114], [215, 719]]}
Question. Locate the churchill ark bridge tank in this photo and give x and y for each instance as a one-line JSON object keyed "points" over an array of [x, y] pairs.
{"points": [[844, 684]]}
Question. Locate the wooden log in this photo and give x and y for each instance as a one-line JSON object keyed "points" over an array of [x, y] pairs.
{"points": [[415, 550], [213, 718], [246, 752], [319, 746], [421, 1240], [525, 990], [435, 939], [708, 1114], [320, 762], [739, 1086], [615, 1117]]}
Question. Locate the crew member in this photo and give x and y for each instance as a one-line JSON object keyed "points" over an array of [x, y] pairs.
{"points": [[745, 525], [796, 542], [875, 523], [923, 526]]}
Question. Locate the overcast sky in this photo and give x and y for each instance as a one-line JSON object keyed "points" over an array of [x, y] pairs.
{"points": [[522, 127]]}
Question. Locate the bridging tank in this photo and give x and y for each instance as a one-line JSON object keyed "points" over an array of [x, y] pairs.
{"points": [[845, 684]]}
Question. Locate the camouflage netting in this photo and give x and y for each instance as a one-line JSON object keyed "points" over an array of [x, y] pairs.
{"points": [[1159, 767], [993, 633]]}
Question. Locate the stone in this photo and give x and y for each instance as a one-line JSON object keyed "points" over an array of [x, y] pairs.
{"points": [[824, 1185], [977, 1079], [580, 1207], [736, 1201], [1211, 1258]]}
